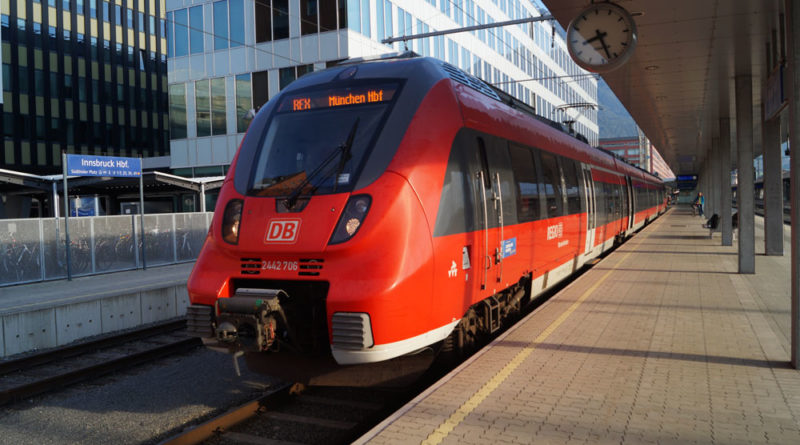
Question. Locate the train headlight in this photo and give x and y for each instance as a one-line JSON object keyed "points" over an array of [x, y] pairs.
{"points": [[353, 216], [231, 220]]}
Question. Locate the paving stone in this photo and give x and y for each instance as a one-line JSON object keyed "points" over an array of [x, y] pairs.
{"points": [[672, 347]]}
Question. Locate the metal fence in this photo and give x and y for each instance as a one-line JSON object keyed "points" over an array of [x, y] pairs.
{"points": [[34, 249]]}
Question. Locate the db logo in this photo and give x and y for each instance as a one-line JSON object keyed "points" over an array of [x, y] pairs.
{"points": [[282, 231]]}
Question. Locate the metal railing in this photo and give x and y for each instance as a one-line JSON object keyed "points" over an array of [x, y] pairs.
{"points": [[34, 249]]}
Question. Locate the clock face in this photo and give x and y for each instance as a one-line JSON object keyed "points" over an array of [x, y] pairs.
{"points": [[602, 37]]}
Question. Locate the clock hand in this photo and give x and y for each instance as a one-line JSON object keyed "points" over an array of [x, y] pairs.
{"points": [[603, 42], [599, 35]]}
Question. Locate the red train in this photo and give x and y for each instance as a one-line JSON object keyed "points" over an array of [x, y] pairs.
{"points": [[381, 213]]}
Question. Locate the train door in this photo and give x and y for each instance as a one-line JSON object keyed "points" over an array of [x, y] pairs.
{"points": [[591, 209], [630, 205], [496, 207]]}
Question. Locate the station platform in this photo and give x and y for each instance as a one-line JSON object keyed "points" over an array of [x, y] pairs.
{"points": [[661, 342], [55, 313]]}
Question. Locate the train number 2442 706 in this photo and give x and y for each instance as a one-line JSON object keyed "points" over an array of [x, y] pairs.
{"points": [[279, 265]]}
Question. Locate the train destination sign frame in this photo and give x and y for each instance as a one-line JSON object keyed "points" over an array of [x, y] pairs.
{"points": [[339, 97]]}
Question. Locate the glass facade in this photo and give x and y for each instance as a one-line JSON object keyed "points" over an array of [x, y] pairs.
{"points": [[72, 83], [261, 46]]}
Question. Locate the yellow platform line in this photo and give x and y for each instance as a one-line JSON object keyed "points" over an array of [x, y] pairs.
{"points": [[441, 432]]}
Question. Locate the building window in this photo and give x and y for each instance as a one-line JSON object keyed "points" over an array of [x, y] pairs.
{"points": [[203, 105], [196, 29], [170, 37], [280, 19], [218, 107], [181, 33], [177, 111], [38, 82], [327, 16], [244, 103], [221, 24], [6, 77], [68, 90], [23, 80], [129, 16], [106, 12], [308, 16], [260, 89], [287, 76], [236, 22], [263, 22]]}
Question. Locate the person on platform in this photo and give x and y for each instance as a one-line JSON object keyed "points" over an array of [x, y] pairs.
{"points": [[699, 202]]}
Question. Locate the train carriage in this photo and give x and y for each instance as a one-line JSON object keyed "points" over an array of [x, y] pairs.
{"points": [[380, 214]]}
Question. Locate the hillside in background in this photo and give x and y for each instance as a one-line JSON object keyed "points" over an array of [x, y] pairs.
{"points": [[612, 118]]}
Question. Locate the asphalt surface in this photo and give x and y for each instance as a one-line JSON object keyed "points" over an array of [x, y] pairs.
{"points": [[144, 405]]}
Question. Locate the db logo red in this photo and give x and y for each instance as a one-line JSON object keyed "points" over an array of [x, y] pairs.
{"points": [[282, 231]]}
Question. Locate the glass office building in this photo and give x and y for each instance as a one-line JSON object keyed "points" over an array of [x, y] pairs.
{"points": [[228, 57], [82, 76]]}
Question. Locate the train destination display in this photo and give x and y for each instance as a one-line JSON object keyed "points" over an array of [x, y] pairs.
{"points": [[338, 98]]}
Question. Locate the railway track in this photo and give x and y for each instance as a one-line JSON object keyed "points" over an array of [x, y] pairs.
{"points": [[51, 370], [294, 414]]}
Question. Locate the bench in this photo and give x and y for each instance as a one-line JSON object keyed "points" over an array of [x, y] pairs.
{"points": [[713, 224]]}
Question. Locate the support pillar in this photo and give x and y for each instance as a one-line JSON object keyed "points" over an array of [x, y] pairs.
{"points": [[724, 168], [744, 197], [773, 189], [793, 19], [716, 181]]}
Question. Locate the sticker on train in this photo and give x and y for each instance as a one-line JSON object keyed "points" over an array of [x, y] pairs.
{"points": [[282, 231], [509, 247], [453, 272]]}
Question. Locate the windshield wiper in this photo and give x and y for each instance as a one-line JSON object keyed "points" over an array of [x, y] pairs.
{"points": [[342, 150]]}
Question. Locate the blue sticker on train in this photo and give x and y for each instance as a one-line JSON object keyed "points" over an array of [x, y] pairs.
{"points": [[509, 247]]}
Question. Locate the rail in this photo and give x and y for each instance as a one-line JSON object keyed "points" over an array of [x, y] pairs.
{"points": [[52, 370]]}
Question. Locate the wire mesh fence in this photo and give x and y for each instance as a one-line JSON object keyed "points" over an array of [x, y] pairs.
{"points": [[35, 249]]}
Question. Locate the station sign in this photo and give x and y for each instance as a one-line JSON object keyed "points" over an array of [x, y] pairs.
{"points": [[118, 167]]}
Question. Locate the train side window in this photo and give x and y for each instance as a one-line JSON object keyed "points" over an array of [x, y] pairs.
{"points": [[484, 163], [600, 203], [524, 169], [571, 186], [552, 185]]}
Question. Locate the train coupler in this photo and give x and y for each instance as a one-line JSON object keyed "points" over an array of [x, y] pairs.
{"points": [[251, 320]]}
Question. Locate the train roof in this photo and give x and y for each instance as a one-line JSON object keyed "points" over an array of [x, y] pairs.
{"points": [[423, 72]]}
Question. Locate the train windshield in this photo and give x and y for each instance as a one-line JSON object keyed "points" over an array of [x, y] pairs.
{"points": [[317, 141]]}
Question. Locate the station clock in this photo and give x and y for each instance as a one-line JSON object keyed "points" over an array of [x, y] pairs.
{"points": [[602, 37]]}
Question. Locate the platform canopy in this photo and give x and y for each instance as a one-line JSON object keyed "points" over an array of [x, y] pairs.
{"points": [[680, 80], [23, 183]]}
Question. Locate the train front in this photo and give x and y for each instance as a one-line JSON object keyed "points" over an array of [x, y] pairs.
{"points": [[318, 264]]}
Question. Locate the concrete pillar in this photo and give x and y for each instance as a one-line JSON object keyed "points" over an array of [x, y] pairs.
{"points": [[724, 168], [744, 197], [793, 39], [716, 182], [773, 189]]}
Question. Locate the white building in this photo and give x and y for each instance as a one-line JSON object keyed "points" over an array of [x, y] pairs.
{"points": [[228, 57]]}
